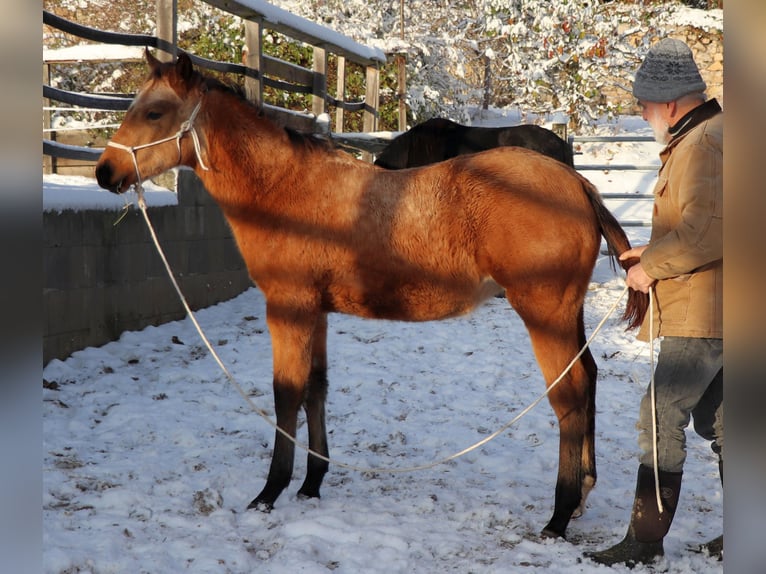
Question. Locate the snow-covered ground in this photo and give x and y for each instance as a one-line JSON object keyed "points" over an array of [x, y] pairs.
{"points": [[151, 456]]}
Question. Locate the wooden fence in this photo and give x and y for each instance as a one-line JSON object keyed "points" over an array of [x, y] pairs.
{"points": [[260, 70], [646, 222]]}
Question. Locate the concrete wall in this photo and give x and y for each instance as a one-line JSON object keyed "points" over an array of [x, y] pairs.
{"points": [[100, 279]]}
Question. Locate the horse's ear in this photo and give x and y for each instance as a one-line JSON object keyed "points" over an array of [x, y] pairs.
{"points": [[184, 66], [150, 59]]}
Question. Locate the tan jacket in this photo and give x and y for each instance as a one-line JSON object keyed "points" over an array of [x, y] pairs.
{"points": [[685, 252]]}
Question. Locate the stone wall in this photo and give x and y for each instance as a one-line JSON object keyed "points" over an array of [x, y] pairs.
{"points": [[100, 279], [707, 47]]}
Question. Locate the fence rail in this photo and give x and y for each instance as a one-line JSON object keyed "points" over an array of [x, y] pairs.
{"points": [[619, 167], [612, 166]]}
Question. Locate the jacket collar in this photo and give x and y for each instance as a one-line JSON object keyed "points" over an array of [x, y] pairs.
{"points": [[695, 117], [700, 114]]}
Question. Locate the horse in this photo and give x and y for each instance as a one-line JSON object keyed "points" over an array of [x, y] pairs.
{"points": [[438, 139], [323, 232]]}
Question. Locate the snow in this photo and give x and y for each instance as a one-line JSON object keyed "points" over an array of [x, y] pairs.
{"points": [[277, 16], [93, 52], [705, 19], [531, 43], [151, 456], [76, 192]]}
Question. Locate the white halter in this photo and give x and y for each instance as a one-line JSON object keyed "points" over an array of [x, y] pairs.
{"points": [[187, 126]]}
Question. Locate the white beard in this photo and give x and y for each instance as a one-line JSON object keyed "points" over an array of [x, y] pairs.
{"points": [[660, 129]]}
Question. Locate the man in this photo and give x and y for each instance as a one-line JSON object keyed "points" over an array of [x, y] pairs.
{"points": [[683, 263]]}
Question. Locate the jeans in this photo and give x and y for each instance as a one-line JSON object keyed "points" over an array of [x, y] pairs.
{"points": [[688, 383]]}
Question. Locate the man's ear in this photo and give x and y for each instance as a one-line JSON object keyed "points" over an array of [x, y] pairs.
{"points": [[672, 112]]}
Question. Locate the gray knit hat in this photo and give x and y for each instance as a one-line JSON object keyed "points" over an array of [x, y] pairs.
{"points": [[667, 73]]}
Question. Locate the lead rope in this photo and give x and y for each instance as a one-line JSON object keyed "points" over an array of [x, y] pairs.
{"points": [[264, 415], [653, 396]]}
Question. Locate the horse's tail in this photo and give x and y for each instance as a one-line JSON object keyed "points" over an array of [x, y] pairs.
{"points": [[617, 243]]}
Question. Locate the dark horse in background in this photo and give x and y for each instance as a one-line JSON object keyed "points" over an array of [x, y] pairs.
{"points": [[438, 139], [323, 232]]}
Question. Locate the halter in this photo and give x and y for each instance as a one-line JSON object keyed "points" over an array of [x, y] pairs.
{"points": [[186, 127]]}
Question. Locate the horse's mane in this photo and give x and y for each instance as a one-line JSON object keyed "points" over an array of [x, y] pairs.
{"points": [[309, 141], [214, 83]]}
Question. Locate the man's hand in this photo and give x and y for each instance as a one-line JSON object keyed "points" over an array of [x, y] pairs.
{"points": [[637, 278]]}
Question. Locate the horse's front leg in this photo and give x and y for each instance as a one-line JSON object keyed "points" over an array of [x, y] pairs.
{"points": [[315, 412], [291, 339]]}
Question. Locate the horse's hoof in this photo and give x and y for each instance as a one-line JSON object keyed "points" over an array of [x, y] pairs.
{"points": [[305, 496], [308, 492], [261, 506], [548, 533]]}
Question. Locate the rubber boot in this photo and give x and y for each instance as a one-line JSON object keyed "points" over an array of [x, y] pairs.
{"points": [[643, 542], [714, 548]]}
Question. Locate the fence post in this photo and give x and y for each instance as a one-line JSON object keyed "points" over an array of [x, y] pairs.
{"points": [[487, 82], [319, 89], [49, 162], [371, 95], [559, 125], [252, 57], [167, 19], [371, 99], [340, 94], [401, 89]]}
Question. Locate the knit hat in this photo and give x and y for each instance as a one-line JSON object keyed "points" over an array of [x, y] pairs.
{"points": [[667, 73]]}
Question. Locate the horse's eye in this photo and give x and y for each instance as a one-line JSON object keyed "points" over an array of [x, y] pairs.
{"points": [[153, 115]]}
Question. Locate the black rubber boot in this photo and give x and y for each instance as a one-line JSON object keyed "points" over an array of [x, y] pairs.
{"points": [[714, 548], [643, 542]]}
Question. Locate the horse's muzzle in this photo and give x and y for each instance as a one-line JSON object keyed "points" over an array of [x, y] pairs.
{"points": [[105, 178]]}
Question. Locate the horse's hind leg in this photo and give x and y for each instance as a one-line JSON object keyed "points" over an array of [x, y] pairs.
{"points": [[291, 338], [316, 396], [556, 342]]}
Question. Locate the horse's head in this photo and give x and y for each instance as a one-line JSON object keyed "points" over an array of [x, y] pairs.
{"points": [[158, 130]]}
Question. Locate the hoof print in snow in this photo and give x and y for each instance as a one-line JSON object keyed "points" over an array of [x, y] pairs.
{"points": [[207, 501]]}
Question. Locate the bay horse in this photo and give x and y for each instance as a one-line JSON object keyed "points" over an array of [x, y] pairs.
{"points": [[322, 232], [438, 139]]}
